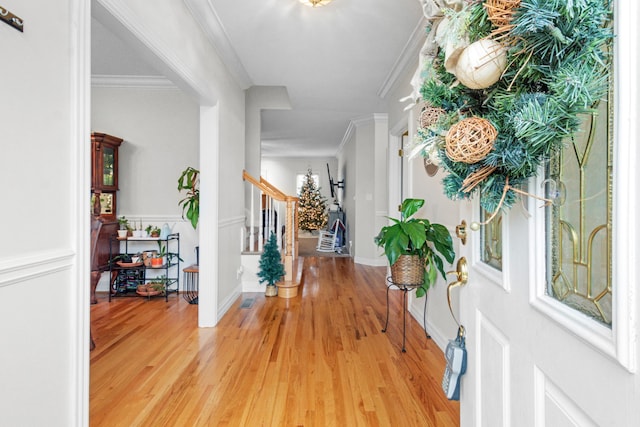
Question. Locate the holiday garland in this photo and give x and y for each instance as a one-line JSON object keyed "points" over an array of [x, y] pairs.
{"points": [[508, 82]]}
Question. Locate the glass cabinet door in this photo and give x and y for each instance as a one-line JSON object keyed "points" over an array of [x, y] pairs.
{"points": [[108, 166], [105, 162]]}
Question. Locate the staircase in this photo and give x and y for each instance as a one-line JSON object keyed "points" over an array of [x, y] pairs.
{"points": [[276, 213]]}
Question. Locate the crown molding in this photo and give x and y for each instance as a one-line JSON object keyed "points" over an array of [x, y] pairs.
{"points": [[130, 29], [207, 18], [408, 57], [140, 82], [359, 121]]}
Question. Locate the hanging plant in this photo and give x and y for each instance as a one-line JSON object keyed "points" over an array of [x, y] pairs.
{"points": [[531, 69]]}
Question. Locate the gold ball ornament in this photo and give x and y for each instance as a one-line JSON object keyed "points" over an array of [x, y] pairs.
{"points": [[481, 64], [470, 140]]}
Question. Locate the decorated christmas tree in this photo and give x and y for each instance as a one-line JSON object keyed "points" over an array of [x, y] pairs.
{"points": [[312, 206], [270, 269]]}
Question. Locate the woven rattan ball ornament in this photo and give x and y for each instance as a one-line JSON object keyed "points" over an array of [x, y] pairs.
{"points": [[470, 140], [430, 115], [481, 64], [500, 12]]}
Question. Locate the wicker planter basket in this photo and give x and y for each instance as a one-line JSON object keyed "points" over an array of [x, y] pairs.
{"points": [[408, 270], [271, 291]]}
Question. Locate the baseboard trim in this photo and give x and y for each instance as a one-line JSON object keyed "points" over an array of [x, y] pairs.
{"points": [[373, 262]]}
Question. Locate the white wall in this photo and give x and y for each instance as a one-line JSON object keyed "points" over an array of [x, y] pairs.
{"points": [[257, 99], [438, 208], [282, 172], [362, 158], [44, 271], [45, 191], [160, 129], [347, 171], [183, 53]]}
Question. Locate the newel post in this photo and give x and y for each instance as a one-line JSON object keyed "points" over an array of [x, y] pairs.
{"points": [[288, 254]]}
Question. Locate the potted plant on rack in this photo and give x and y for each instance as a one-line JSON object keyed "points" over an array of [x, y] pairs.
{"points": [[138, 232], [152, 231], [158, 258], [123, 225], [156, 286], [413, 245], [270, 269]]}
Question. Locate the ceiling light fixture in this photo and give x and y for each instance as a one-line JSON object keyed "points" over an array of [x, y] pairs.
{"points": [[315, 3]]}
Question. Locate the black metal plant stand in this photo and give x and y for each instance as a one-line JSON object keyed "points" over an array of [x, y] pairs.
{"points": [[404, 288]]}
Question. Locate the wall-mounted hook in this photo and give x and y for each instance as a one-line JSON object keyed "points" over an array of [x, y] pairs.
{"points": [[11, 19]]}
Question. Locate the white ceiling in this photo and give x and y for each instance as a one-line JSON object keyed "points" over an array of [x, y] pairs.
{"points": [[336, 61]]}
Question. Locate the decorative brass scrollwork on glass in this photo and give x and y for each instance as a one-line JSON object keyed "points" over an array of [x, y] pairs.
{"points": [[579, 222], [491, 240]]}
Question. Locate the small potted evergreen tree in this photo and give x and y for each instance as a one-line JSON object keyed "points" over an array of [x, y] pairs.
{"points": [[270, 269]]}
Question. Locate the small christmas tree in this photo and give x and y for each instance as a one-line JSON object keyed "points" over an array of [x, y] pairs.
{"points": [[312, 206], [270, 269]]}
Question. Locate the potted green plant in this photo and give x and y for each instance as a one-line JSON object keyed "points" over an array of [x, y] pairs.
{"points": [[189, 182], [152, 231], [123, 226], [138, 232], [156, 286], [158, 258], [412, 246]]}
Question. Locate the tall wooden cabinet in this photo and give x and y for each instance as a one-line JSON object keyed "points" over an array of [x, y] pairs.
{"points": [[104, 174], [104, 194]]}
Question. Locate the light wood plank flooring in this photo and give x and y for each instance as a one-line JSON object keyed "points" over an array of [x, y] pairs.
{"points": [[315, 360]]}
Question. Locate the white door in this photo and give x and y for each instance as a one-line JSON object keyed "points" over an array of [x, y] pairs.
{"points": [[534, 360]]}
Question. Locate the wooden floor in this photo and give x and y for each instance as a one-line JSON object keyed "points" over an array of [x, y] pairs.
{"points": [[319, 359]]}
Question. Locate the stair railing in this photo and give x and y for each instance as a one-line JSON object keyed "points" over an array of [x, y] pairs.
{"points": [[272, 200]]}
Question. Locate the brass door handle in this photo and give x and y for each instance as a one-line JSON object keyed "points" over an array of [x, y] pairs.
{"points": [[462, 275], [462, 272]]}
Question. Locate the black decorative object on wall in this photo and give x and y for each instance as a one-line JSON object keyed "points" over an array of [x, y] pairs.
{"points": [[332, 184]]}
